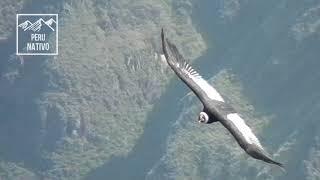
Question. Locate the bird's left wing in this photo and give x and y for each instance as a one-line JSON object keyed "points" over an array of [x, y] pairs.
{"points": [[186, 73]]}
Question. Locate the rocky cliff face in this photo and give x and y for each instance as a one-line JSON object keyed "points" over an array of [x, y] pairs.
{"points": [[72, 112]]}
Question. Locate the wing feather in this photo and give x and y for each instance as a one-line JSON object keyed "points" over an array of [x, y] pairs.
{"points": [[187, 73], [244, 129]]}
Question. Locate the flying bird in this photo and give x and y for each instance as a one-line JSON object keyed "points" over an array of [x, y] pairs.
{"points": [[215, 108]]}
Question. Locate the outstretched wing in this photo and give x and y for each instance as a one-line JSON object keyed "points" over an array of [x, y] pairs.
{"points": [[186, 73], [246, 138], [244, 129], [235, 123]]}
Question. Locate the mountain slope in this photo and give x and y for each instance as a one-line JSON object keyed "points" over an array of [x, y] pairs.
{"points": [[271, 47], [90, 102]]}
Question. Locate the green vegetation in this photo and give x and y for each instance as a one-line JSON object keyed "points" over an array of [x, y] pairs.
{"points": [[8, 10], [106, 79], [65, 116], [9, 170]]}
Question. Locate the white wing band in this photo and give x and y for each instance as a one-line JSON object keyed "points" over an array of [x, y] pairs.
{"points": [[207, 88], [244, 129]]}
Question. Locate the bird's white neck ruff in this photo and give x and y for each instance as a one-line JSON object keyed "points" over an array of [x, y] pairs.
{"points": [[205, 116], [244, 129]]}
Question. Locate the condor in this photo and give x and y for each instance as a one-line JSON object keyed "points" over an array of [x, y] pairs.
{"points": [[215, 108]]}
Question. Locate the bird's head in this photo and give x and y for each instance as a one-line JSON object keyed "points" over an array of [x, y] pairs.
{"points": [[203, 117]]}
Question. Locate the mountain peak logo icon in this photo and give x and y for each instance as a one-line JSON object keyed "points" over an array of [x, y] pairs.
{"points": [[25, 24], [38, 25], [37, 34]]}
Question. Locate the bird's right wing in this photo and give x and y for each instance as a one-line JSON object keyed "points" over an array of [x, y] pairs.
{"points": [[186, 73]]}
